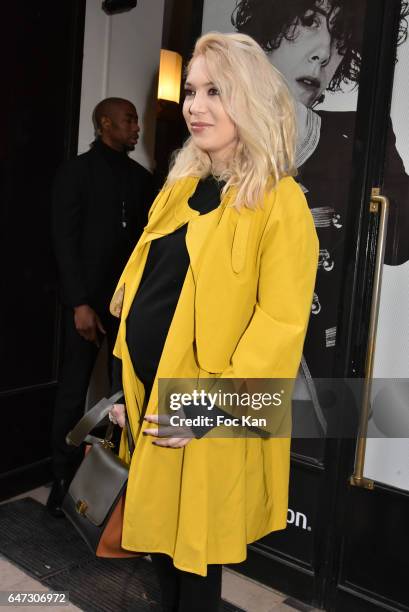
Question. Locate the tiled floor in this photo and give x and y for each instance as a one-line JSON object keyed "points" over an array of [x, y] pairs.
{"points": [[243, 592]]}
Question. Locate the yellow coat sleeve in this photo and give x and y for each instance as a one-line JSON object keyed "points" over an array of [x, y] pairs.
{"points": [[271, 346]]}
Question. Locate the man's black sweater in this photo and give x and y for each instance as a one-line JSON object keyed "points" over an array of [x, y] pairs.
{"points": [[100, 205]]}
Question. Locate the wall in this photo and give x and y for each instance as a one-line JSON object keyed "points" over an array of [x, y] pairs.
{"points": [[121, 58]]}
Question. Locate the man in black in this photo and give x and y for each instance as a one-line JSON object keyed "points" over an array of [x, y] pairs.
{"points": [[100, 205]]}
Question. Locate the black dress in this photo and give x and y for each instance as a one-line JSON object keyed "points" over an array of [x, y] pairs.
{"points": [[154, 304]]}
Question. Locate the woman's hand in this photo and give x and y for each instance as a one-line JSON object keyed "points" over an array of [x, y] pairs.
{"points": [[117, 415], [173, 441]]}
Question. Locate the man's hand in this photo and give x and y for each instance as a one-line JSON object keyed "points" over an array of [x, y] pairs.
{"points": [[87, 323]]}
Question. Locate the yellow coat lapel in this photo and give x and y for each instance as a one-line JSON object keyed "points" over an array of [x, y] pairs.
{"points": [[170, 210]]}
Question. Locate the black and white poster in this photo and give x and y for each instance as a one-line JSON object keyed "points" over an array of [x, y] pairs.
{"points": [[316, 45]]}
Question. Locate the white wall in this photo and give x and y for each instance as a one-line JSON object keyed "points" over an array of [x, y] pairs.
{"points": [[121, 58]]}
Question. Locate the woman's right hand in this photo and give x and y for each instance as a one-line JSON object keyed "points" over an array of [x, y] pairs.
{"points": [[117, 415]]}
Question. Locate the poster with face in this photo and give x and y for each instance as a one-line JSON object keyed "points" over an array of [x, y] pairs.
{"points": [[316, 45]]}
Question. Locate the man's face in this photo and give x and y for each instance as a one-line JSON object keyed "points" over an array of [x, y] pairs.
{"points": [[120, 129], [310, 60]]}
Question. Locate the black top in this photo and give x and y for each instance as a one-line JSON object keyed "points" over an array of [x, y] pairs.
{"points": [[100, 205], [121, 169], [155, 302]]}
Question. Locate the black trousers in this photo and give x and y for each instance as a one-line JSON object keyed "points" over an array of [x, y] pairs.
{"points": [[184, 591], [78, 361]]}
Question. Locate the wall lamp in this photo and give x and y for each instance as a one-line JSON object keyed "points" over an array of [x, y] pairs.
{"points": [[170, 73]]}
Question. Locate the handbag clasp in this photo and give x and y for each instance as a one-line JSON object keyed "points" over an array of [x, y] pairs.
{"points": [[107, 444], [81, 507]]}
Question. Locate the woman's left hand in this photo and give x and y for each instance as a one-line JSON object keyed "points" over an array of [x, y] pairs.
{"points": [[162, 432]]}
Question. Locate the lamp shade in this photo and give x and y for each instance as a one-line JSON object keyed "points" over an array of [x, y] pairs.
{"points": [[170, 72]]}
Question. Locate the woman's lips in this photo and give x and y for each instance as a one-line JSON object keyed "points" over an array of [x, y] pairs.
{"points": [[199, 127]]}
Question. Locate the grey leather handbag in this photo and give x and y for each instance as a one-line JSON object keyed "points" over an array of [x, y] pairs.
{"points": [[95, 499]]}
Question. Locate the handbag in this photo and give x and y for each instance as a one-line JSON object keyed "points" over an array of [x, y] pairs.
{"points": [[95, 500]]}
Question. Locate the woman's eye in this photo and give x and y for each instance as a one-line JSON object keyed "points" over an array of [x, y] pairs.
{"points": [[310, 19], [188, 92], [213, 91]]}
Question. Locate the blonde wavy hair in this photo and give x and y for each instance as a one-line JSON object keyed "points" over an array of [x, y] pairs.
{"points": [[257, 99]]}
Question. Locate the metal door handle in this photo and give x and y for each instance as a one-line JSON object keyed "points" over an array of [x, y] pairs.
{"points": [[377, 202]]}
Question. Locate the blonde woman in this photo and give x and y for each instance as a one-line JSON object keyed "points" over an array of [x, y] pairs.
{"points": [[220, 284]]}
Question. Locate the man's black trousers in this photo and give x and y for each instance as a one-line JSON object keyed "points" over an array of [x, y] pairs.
{"points": [[78, 361]]}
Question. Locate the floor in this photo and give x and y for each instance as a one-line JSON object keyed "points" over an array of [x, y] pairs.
{"points": [[243, 592]]}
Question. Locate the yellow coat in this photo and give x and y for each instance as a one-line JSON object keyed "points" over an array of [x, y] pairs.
{"points": [[242, 312]]}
